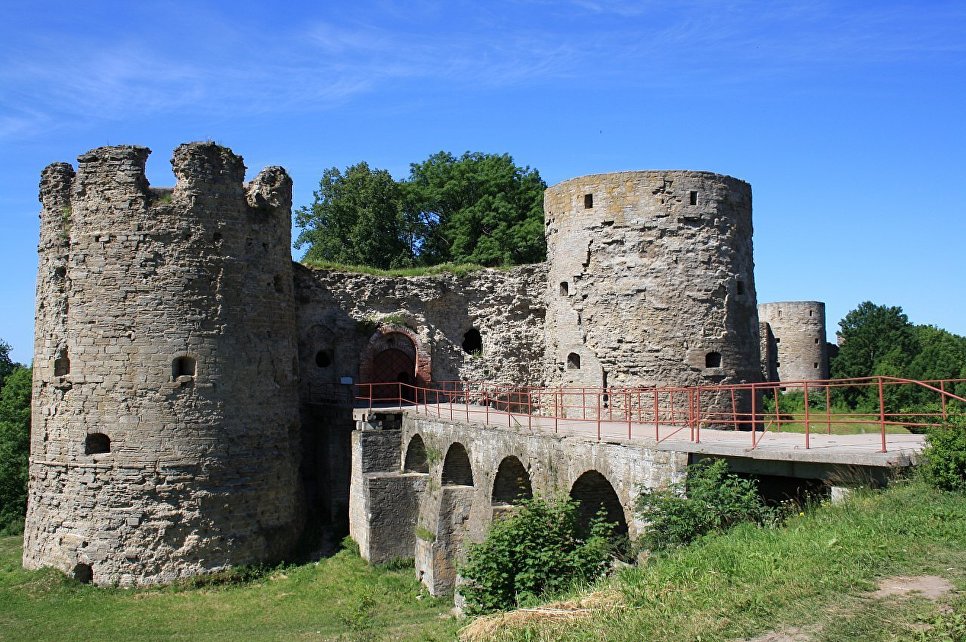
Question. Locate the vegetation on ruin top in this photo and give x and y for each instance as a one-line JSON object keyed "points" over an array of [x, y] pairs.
{"points": [[459, 269]]}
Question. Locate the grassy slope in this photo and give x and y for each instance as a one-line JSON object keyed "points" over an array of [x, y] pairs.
{"points": [[340, 598], [810, 574]]}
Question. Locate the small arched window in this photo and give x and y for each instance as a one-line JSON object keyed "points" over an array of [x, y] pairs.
{"points": [[97, 443], [61, 364], [183, 367], [712, 360], [573, 361]]}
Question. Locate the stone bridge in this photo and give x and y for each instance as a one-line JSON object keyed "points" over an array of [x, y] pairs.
{"points": [[425, 487]]}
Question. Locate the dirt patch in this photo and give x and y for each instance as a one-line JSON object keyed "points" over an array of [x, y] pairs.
{"points": [[931, 587], [791, 634], [485, 628]]}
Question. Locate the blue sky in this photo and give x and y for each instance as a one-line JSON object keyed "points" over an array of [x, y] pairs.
{"points": [[846, 117]]}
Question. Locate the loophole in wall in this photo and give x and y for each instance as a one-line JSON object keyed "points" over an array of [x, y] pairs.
{"points": [[712, 360], [83, 573], [472, 341], [97, 443]]}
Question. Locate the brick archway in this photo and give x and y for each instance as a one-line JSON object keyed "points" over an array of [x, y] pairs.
{"points": [[395, 353]]}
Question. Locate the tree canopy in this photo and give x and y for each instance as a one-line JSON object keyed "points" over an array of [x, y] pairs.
{"points": [[880, 340], [14, 447], [6, 364], [477, 208]]}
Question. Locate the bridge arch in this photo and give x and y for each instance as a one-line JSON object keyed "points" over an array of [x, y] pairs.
{"points": [[512, 482], [457, 470], [596, 494], [416, 460]]}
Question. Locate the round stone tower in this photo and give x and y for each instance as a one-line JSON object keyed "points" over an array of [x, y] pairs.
{"points": [[165, 410], [793, 340], [651, 281]]}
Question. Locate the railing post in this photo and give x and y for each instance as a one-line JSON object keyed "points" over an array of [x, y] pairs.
{"points": [[882, 414], [942, 397], [698, 415], [754, 416], [466, 399], [828, 409], [734, 408], [778, 417], [806, 416], [486, 404], [627, 408], [556, 410], [599, 413], [657, 422]]}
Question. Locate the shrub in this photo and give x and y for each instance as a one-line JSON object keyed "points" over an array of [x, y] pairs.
{"points": [[709, 500], [944, 459], [532, 553]]}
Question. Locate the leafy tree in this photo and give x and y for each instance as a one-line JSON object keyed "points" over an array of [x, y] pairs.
{"points": [[6, 364], [874, 336], [875, 340], [478, 208], [357, 218], [532, 553], [14, 446]]}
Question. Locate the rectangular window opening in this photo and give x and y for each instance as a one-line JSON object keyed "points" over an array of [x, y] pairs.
{"points": [[694, 197], [588, 201]]}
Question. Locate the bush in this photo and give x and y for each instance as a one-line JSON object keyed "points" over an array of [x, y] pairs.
{"points": [[944, 459], [709, 500], [532, 553]]}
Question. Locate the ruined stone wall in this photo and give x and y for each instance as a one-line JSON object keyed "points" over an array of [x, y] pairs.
{"points": [[165, 408], [797, 349], [395, 510], [651, 281], [345, 316]]}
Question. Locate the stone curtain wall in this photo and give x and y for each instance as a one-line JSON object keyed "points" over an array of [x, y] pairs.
{"points": [[797, 350], [340, 313], [651, 281], [165, 412]]}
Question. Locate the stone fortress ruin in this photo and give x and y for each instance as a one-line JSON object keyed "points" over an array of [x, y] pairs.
{"points": [[183, 362]]}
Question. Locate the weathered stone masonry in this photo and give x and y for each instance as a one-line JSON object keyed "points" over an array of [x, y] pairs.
{"points": [[184, 368], [165, 404]]}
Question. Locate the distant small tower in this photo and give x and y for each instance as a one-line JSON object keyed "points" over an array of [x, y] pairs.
{"points": [[651, 281], [165, 409], [793, 341]]}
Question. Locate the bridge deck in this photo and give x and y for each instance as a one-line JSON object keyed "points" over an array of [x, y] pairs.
{"points": [[859, 450]]}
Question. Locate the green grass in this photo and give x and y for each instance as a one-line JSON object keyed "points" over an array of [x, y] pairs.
{"points": [[341, 598], [459, 269], [813, 574], [817, 425]]}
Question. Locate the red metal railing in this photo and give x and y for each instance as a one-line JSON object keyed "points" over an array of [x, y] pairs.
{"points": [[661, 413]]}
